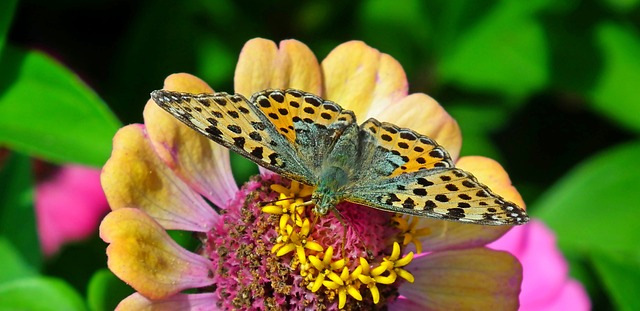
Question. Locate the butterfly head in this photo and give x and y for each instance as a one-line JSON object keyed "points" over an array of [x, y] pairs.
{"points": [[324, 202]]}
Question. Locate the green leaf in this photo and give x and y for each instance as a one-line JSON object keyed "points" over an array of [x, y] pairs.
{"points": [[615, 94], [477, 121], [505, 52], [7, 8], [105, 291], [593, 206], [17, 217], [13, 265], [383, 26], [45, 110], [39, 293], [622, 5], [620, 273]]}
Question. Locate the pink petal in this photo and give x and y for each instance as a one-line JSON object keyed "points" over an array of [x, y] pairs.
{"points": [[69, 206], [403, 304], [191, 302], [545, 272]]}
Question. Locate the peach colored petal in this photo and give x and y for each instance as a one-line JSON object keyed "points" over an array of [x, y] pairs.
{"points": [[424, 115], [185, 82], [470, 279], [134, 176], [447, 235], [362, 79], [203, 164], [191, 302], [262, 66], [142, 254], [451, 235]]}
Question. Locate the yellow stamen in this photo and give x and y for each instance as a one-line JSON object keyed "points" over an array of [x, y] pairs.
{"points": [[395, 263], [408, 231]]}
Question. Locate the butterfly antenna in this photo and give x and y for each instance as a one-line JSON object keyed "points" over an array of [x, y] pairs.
{"points": [[262, 204]]}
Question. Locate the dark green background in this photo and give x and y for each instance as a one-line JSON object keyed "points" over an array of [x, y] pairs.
{"points": [[548, 88]]}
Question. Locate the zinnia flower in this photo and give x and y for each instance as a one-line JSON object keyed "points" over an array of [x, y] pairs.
{"points": [[546, 285], [261, 247]]}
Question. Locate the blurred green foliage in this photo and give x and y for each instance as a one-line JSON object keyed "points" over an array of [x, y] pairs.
{"points": [[549, 88]]}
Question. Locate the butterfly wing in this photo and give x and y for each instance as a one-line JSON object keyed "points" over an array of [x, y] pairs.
{"points": [[309, 123], [239, 125], [412, 174], [287, 131]]}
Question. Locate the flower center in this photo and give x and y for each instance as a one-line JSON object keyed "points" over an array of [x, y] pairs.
{"points": [[271, 250]]}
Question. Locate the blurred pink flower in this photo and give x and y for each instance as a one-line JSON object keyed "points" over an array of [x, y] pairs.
{"points": [[69, 205], [546, 285]]}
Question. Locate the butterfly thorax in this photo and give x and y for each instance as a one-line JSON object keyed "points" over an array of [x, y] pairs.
{"points": [[329, 193]]}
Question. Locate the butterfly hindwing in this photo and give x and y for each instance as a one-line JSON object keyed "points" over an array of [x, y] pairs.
{"points": [[444, 193], [409, 173], [311, 124], [235, 123]]}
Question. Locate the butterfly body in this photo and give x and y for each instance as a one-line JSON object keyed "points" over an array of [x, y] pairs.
{"points": [[316, 142]]}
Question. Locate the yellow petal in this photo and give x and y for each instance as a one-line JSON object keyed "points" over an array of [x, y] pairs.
{"points": [[405, 275], [134, 176], [330, 284], [255, 66], [379, 269], [375, 293], [395, 253], [297, 67], [342, 298], [335, 278], [317, 283], [471, 279], [287, 248], [262, 65], [365, 265], [424, 115], [326, 259], [272, 209], [353, 292], [142, 254], [200, 162], [404, 260], [314, 246], [319, 265], [301, 254], [362, 79]]}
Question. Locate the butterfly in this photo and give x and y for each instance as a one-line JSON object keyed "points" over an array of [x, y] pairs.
{"points": [[316, 142]]}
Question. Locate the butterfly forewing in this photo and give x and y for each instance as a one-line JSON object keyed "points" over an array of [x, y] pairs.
{"points": [[238, 125]]}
